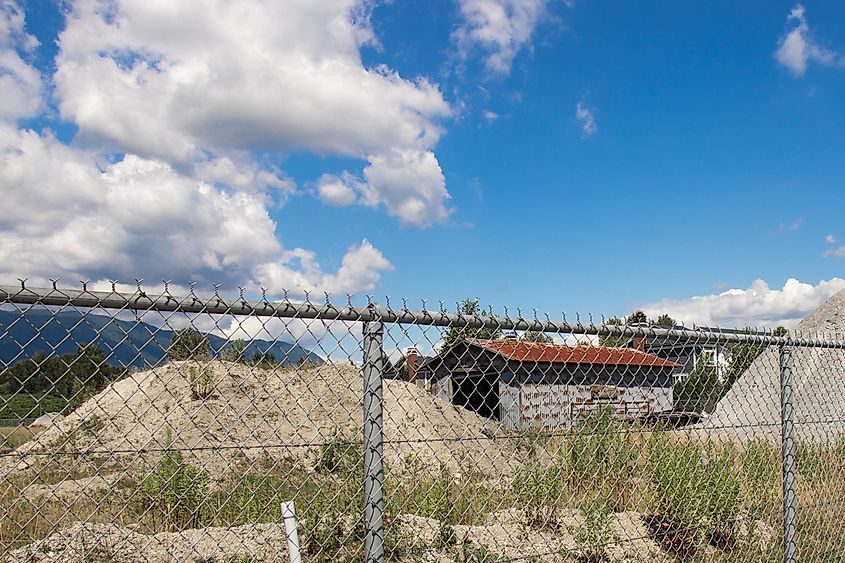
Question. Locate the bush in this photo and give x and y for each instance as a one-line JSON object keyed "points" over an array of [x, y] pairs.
{"points": [[722, 496], [446, 496], [593, 535], [699, 391], [256, 499], [264, 360], [236, 352], [539, 490], [22, 406], [696, 496], [201, 381], [676, 474], [188, 344], [175, 492], [341, 455], [601, 452], [761, 479]]}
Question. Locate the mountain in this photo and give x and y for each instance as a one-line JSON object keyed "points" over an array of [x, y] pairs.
{"points": [[124, 343]]}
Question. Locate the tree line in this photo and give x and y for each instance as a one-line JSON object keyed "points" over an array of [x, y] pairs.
{"points": [[56, 383]]}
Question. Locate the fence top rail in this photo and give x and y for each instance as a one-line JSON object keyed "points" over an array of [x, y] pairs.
{"points": [[218, 305]]}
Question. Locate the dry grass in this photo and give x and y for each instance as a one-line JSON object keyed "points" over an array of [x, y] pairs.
{"points": [[13, 436]]}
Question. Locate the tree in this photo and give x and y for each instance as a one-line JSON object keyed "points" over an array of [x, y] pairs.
{"points": [[614, 341], [457, 334], [395, 370], [236, 352], [637, 317], [58, 383], [665, 321], [188, 344], [536, 337], [744, 354], [264, 360], [699, 391]]}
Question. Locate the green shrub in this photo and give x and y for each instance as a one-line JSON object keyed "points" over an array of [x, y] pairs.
{"points": [[443, 496], [201, 381], [677, 477], [188, 344], [21, 406], [601, 456], [696, 495], [341, 455], [818, 462], [175, 492], [593, 535], [472, 553], [722, 495], [538, 491], [255, 499], [236, 352], [699, 391], [264, 360]]}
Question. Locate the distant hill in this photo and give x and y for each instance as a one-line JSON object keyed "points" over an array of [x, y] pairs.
{"points": [[124, 343]]}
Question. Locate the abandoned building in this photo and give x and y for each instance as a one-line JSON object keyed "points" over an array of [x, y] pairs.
{"points": [[530, 385]]}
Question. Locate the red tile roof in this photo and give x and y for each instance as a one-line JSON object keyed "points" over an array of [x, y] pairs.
{"points": [[561, 354]]}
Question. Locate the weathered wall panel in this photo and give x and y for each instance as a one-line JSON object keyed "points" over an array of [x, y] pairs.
{"points": [[558, 406]]}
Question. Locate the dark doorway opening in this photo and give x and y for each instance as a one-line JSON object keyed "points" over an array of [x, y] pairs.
{"points": [[479, 393]]}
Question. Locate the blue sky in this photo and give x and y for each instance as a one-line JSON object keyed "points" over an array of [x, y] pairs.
{"points": [[569, 156]]}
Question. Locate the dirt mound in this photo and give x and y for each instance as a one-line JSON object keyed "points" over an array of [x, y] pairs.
{"points": [[252, 413], [751, 407], [81, 543]]}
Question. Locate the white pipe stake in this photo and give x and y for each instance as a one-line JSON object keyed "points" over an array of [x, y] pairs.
{"points": [[289, 516]]}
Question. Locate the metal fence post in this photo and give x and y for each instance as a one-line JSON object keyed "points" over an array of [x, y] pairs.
{"points": [[373, 425], [788, 452]]}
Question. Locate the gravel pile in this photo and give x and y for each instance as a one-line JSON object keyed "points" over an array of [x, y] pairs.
{"points": [[752, 406], [253, 413], [85, 542]]}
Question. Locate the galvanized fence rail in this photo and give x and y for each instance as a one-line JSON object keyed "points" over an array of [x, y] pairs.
{"points": [[220, 428]]}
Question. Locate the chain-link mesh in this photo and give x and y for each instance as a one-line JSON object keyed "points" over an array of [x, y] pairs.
{"points": [[145, 426]]}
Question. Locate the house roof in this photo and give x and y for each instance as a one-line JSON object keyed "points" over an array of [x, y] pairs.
{"points": [[562, 354]]}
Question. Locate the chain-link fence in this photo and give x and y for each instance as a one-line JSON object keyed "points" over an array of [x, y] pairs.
{"points": [[146, 426]]}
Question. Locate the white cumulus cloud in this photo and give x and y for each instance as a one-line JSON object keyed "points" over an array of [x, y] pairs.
{"points": [[20, 83], [798, 46], [178, 81], [501, 28], [68, 212], [758, 305]]}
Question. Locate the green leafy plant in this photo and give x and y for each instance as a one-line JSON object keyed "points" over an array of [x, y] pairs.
{"points": [[188, 344], [236, 352], [595, 533], [457, 334], [676, 474], [538, 490], [340, 455], [721, 497], [760, 463], [201, 381], [175, 492], [473, 553], [445, 495], [701, 389], [601, 455]]}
